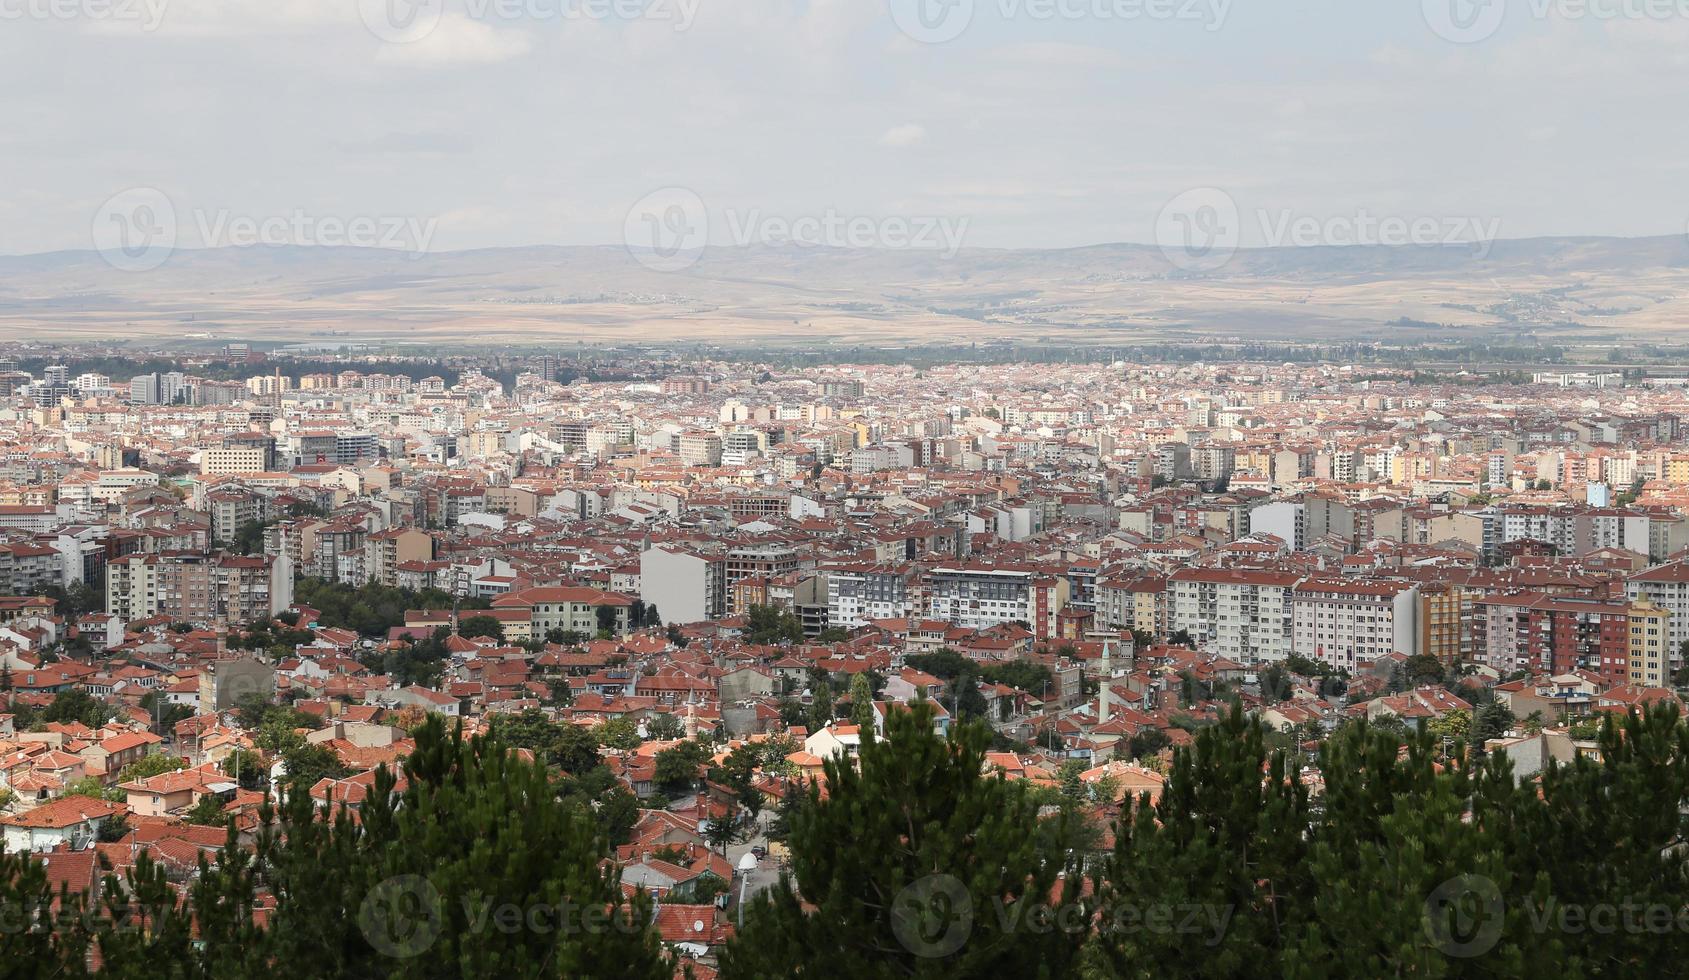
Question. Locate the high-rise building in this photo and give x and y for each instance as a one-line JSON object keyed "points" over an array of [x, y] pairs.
{"points": [[143, 390]]}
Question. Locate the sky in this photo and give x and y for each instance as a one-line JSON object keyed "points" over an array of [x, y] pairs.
{"points": [[456, 124]]}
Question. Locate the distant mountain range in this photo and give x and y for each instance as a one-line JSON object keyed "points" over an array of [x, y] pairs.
{"points": [[1595, 290]]}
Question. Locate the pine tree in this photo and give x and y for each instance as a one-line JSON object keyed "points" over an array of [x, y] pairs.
{"points": [[1203, 883], [917, 865], [862, 705]]}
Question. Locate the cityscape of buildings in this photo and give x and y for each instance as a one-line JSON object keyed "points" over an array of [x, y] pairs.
{"points": [[720, 548]]}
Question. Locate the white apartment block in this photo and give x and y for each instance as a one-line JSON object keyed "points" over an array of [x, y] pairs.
{"points": [[1242, 614], [685, 586], [980, 596], [857, 593], [1666, 586], [1343, 622]]}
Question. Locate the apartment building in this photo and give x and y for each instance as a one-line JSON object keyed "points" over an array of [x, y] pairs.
{"points": [[25, 567], [699, 448], [232, 507], [1650, 645], [1666, 586], [1344, 622], [978, 596], [858, 592], [385, 551], [686, 586], [765, 561], [1556, 634], [213, 589], [1242, 614]]}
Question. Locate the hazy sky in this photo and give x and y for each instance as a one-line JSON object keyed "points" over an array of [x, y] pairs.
{"points": [[1040, 123]]}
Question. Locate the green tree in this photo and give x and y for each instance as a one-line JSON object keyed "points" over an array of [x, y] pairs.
{"points": [[207, 811], [1453, 726], [91, 787], [723, 832], [475, 830], [1225, 840], [414, 886], [247, 769], [150, 765], [308, 765], [562, 695], [862, 704], [1422, 668], [619, 733], [76, 705], [1492, 720], [890, 856], [677, 766], [664, 726], [1147, 743], [770, 624], [475, 627]]}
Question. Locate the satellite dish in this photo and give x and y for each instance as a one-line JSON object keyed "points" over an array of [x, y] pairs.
{"points": [[697, 925]]}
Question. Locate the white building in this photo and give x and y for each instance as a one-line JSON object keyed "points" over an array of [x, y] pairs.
{"points": [[1342, 622], [1242, 614]]}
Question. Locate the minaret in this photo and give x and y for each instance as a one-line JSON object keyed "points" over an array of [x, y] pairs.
{"points": [[1108, 673]]}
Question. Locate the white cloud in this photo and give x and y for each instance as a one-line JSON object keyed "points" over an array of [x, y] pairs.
{"points": [[907, 134]]}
